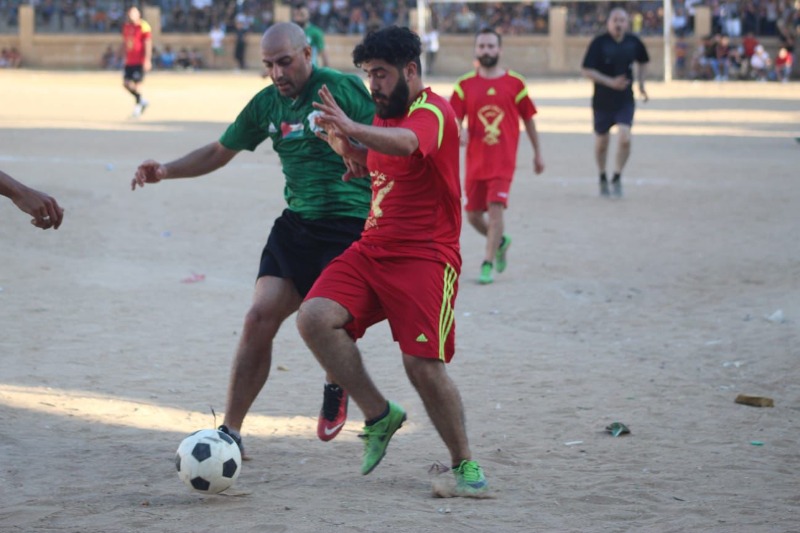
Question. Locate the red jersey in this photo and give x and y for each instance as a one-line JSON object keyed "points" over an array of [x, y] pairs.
{"points": [[135, 36], [416, 199], [493, 107]]}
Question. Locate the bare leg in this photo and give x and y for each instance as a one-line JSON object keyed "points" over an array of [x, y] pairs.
{"points": [[273, 301], [478, 221], [321, 324], [494, 234], [601, 151], [442, 402], [623, 148]]}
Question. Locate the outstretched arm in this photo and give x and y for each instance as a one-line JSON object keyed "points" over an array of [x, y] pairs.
{"points": [[43, 208], [533, 136], [197, 163]]}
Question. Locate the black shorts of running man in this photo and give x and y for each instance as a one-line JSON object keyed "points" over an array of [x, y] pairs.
{"points": [[604, 119], [298, 249], [134, 73]]}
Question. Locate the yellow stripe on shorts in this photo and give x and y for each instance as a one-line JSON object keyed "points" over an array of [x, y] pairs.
{"points": [[447, 313]]}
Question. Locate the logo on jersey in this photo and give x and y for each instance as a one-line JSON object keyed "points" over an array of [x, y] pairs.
{"points": [[380, 188], [491, 116], [272, 129], [311, 118], [291, 131]]}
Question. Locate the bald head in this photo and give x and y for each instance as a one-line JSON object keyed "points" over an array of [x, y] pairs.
{"points": [[284, 34], [617, 23]]}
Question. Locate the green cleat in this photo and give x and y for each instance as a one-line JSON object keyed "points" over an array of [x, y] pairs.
{"points": [[470, 480], [486, 273], [377, 436], [500, 257]]}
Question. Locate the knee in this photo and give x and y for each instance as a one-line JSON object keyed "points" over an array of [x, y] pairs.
{"points": [[625, 142], [420, 370], [310, 318], [259, 321], [474, 217]]}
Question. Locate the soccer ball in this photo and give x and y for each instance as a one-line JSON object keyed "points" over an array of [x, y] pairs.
{"points": [[208, 461]]}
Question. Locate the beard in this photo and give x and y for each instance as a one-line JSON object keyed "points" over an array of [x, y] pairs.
{"points": [[488, 61], [393, 105]]}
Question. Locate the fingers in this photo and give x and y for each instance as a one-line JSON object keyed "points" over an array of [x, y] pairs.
{"points": [[148, 172]]}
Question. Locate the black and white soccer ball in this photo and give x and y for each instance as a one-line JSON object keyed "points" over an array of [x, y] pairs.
{"points": [[208, 461]]}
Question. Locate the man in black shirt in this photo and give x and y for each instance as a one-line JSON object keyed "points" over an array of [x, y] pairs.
{"points": [[609, 63]]}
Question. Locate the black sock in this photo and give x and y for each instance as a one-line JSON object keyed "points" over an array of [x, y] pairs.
{"points": [[135, 94], [378, 418], [487, 263], [603, 176], [617, 176]]}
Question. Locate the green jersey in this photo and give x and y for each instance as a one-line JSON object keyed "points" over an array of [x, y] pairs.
{"points": [[313, 171]]}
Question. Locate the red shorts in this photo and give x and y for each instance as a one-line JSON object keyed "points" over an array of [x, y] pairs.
{"points": [[416, 295], [481, 193]]}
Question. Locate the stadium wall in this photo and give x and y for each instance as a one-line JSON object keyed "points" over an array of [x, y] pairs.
{"points": [[555, 54]]}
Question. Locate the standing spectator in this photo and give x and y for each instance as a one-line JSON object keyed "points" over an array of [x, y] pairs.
{"points": [[217, 36], [493, 99], [314, 35], [241, 43], [138, 50], [608, 63], [431, 44]]}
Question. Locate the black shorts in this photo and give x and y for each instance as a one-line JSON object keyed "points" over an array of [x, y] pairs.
{"points": [[134, 73], [603, 119], [298, 249]]}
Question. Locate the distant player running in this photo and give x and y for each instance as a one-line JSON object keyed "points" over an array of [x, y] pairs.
{"points": [[138, 50], [493, 100]]}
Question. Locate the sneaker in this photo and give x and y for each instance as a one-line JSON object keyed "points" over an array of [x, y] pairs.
{"points": [[376, 437], [143, 105], [616, 188], [137, 111], [486, 273], [333, 414], [500, 256], [237, 438], [604, 188], [470, 480]]}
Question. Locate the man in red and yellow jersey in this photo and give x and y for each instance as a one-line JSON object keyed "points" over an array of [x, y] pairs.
{"points": [[405, 267], [138, 51], [493, 100]]}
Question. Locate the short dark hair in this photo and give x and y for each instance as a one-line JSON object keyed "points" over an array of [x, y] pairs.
{"points": [[393, 44], [484, 31]]}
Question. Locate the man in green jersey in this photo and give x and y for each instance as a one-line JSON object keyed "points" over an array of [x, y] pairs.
{"points": [[314, 34], [324, 216]]}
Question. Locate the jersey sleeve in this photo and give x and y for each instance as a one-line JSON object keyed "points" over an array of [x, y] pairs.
{"points": [[457, 102], [522, 99], [591, 59], [641, 53], [245, 133], [146, 29], [426, 120]]}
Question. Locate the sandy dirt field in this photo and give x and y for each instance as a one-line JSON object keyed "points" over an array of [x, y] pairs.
{"points": [[655, 310]]}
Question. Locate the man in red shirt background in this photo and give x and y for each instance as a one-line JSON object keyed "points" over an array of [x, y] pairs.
{"points": [[138, 51], [493, 99]]}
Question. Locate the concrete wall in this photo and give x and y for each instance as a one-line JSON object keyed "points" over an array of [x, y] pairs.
{"points": [[556, 54]]}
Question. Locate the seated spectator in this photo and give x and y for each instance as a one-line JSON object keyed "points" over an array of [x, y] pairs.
{"points": [[196, 59], [14, 57], [783, 65], [4, 58], [168, 58], [183, 60], [760, 63], [107, 59]]}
